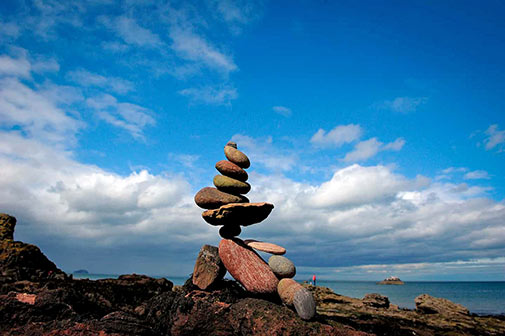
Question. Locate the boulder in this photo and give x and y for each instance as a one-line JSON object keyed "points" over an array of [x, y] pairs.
{"points": [[211, 198], [238, 213], [231, 185], [247, 267], [427, 304], [236, 156], [376, 300], [282, 266], [230, 169], [208, 267]]}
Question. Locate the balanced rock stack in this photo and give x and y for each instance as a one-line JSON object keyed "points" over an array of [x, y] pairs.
{"points": [[228, 207]]}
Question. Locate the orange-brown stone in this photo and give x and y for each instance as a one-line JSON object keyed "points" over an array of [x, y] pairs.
{"points": [[265, 247]]}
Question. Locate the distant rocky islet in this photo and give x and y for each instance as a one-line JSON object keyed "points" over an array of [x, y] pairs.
{"points": [[226, 206]]}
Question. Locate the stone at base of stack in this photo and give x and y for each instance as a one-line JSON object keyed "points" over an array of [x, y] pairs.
{"points": [[208, 267], [247, 267], [294, 294]]}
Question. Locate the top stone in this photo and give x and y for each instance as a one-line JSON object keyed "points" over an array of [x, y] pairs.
{"points": [[236, 156], [232, 144]]}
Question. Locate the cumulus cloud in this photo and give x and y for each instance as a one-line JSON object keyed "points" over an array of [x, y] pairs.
{"points": [[86, 78], [282, 110], [403, 104], [369, 148], [222, 95], [338, 136], [19, 64], [494, 138], [130, 117]]}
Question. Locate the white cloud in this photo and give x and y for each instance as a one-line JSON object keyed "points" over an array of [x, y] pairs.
{"points": [[403, 104], [222, 95], [39, 116], [236, 13], [19, 67], [282, 110], [338, 136], [87, 78], [495, 138], [131, 32], [193, 47], [19, 64], [132, 118], [476, 174], [263, 152], [369, 148]]}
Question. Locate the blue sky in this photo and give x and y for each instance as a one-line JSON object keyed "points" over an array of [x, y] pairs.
{"points": [[376, 129]]}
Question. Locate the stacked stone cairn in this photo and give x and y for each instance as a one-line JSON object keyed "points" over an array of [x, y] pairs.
{"points": [[228, 207]]}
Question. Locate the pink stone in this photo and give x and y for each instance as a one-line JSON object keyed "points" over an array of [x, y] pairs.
{"points": [[265, 247], [247, 267], [26, 298]]}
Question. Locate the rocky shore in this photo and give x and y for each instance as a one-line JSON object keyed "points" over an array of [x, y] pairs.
{"points": [[36, 298]]}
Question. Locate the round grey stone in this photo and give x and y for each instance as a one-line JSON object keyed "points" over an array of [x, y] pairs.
{"points": [[304, 304], [282, 266]]}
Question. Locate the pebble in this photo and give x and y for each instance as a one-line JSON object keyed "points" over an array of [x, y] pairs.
{"points": [[230, 169], [238, 213], [265, 247], [230, 231], [231, 185], [211, 198], [208, 267], [304, 304], [236, 156], [232, 144], [282, 266], [247, 267]]}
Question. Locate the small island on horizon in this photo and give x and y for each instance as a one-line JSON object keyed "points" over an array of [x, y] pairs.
{"points": [[392, 280], [81, 271]]}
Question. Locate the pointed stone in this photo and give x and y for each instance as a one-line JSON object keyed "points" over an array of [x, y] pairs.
{"points": [[247, 267], [211, 198], [208, 267], [265, 247], [238, 213]]}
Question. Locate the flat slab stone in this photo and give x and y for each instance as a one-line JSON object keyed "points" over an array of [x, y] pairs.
{"points": [[238, 214], [231, 185], [247, 267], [211, 198], [230, 169], [236, 156], [282, 266], [208, 267], [265, 247]]}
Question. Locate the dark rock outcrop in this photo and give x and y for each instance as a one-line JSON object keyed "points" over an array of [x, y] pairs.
{"points": [[21, 261]]}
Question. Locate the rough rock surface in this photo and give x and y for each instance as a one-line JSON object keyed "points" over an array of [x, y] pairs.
{"points": [[236, 156], [427, 304], [230, 169], [396, 321], [20, 261], [376, 300], [208, 267], [238, 213], [247, 267], [231, 185], [265, 247], [211, 198]]}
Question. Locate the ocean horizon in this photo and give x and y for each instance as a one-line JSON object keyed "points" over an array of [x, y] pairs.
{"points": [[480, 297]]}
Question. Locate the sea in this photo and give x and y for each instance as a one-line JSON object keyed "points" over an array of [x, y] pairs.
{"points": [[483, 298]]}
